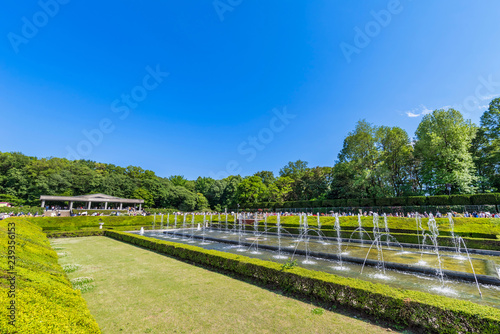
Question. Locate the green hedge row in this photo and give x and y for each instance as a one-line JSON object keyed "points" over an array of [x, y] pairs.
{"points": [[158, 211], [410, 308], [104, 212], [44, 298], [75, 234], [441, 200], [124, 223], [22, 209]]}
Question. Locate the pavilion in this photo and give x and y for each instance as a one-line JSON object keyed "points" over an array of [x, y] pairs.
{"points": [[92, 198]]}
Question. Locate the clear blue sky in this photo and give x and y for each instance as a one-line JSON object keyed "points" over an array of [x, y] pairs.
{"points": [[82, 65]]}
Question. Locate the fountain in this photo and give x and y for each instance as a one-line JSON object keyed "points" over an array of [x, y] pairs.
{"points": [[386, 230], [339, 243], [278, 226], [360, 226], [168, 224], [420, 266], [256, 235], [141, 232], [154, 222], [377, 236], [191, 239], [305, 232], [174, 236], [455, 240], [434, 233]]}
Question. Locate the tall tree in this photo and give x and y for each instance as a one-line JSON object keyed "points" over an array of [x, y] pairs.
{"points": [[361, 152], [443, 140], [251, 189], [486, 148], [266, 176], [396, 155]]}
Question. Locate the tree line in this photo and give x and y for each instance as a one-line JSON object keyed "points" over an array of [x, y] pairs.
{"points": [[447, 155]]}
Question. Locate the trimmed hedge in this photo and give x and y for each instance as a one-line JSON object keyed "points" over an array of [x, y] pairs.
{"points": [[432, 313], [45, 299], [22, 209], [440, 200], [124, 223], [104, 212], [479, 199], [75, 234]]}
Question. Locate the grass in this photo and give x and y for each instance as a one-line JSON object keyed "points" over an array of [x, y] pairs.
{"points": [[138, 291]]}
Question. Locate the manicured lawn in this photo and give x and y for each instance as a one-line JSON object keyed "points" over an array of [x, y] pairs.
{"points": [[138, 291]]}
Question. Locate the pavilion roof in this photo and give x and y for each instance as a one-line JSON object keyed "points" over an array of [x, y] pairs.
{"points": [[91, 198]]}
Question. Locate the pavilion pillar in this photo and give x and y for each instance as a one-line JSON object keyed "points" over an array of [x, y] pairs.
{"points": [[106, 206], [43, 204], [70, 206], [121, 206], [90, 203], [140, 206]]}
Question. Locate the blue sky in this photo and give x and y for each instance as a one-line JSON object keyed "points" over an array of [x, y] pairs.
{"points": [[213, 88]]}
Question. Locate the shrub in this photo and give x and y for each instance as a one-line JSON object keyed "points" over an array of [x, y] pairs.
{"points": [[45, 299], [366, 202], [328, 202], [384, 201], [437, 200], [459, 200], [352, 202], [481, 199], [22, 209], [415, 200], [316, 204], [397, 201]]}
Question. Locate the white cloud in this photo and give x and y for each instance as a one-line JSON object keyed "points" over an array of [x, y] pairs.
{"points": [[420, 111], [410, 114], [489, 97], [425, 110]]}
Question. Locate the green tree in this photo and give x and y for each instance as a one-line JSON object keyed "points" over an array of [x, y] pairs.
{"points": [[203, 184], [178, 180], [142, 193], [295, 170], [251, 190], [201, 202], [443, 141], [485, 148], [278, 190], [361, 153], [266, 176], [396, 157]]}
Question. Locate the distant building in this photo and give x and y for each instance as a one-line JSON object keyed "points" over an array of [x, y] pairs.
{"points": [[5, 204], [87, 201]]}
